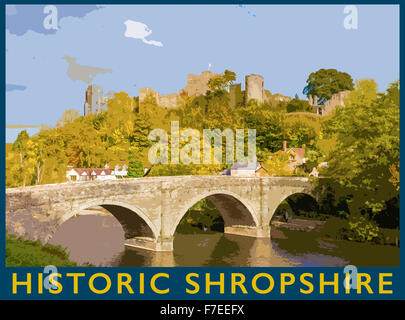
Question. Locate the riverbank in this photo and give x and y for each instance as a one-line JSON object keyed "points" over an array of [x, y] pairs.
{"points": [[27, 253], [298, 224], [302, 237]]}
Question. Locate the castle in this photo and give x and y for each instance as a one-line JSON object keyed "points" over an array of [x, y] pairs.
{"points": [[95, 101], [197, 85], [327, 108]]}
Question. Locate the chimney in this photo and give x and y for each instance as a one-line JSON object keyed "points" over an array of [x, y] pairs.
{"points": [[284, 146]]}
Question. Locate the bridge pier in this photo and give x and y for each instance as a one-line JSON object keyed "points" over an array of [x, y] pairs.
{"points": [[249, 231], [166, 244], [152, 207], [150, 244]]}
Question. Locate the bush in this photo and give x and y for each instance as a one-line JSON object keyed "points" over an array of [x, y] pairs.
{"points": [[297, 105], [361, 229]]}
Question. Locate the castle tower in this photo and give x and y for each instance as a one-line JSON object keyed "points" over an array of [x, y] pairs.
{"points": [[88, 102], [254, 88], [93, 99]]}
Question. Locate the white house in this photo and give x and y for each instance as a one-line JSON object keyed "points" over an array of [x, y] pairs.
{"points": [[88, 174], [248, 169]]}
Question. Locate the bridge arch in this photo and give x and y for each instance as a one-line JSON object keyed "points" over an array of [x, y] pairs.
{"points": [[134, 220], [234, 210], [273, 209]]}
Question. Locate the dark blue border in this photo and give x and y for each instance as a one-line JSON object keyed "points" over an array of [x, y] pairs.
{"points": [[176, 282]]}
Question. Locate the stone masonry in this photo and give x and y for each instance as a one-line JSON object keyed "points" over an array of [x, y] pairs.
{"points": [[327, 108], [196, 85], [254, 88], [150, 209]]}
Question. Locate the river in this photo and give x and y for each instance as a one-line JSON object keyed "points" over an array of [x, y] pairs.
{"points": [[99, 240]]}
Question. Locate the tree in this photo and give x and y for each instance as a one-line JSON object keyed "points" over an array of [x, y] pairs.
{"points": [[68, 117], [135, 169], [367, 133], [365, 92], [297, 105], [268, 125], [277, 164], [20, 146], [301, 130], [326, 82], [222, 82]]}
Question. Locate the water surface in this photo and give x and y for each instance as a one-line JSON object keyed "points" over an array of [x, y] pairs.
{"points": [[99, 240]]}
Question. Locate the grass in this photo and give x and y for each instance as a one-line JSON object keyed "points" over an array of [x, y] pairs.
{"points": [[28, 253]]}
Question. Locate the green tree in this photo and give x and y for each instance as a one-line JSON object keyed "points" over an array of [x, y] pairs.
{"points": [[365, 92], [297, 105], [326, 82], [367, 133], [135, 168], [222, 82], [20, 146]]}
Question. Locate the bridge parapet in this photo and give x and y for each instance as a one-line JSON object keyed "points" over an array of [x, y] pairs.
{"points": [[247, 204]]}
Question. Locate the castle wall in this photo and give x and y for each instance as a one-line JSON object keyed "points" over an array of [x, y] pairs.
{"points": [[166, 101], [94, 100], [198, 84], [169, 101], [145, 92], [336, 100], [254, 88]]}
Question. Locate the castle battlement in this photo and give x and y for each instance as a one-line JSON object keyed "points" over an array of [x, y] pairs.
{"points": [[197, 85]]}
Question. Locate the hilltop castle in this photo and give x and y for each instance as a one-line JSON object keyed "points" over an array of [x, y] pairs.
{"points": [[197, 85]]}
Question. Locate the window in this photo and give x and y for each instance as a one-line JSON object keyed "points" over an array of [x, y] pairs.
{"points": [[73, 178]]}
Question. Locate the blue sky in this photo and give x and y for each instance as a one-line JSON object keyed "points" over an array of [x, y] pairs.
{"points": [[282, 43]]}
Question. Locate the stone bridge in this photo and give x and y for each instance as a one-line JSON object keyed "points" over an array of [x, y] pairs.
{"points": [[150, 209]]}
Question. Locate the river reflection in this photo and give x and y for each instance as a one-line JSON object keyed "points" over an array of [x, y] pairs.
{"points": [[99, 240]]}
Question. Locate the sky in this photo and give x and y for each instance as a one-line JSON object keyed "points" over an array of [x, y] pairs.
{"points": [[50, 61]]}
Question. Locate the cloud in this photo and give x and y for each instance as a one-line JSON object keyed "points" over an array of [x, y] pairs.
{"points": [[15, 87], [84, 73], [139, 30], [21, 18]]}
